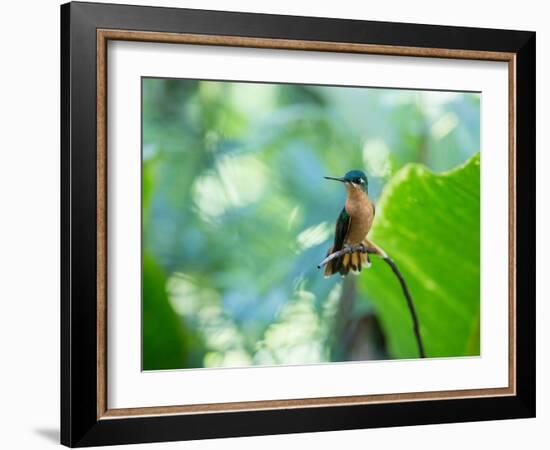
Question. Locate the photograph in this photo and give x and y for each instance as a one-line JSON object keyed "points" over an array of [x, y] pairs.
{"points": [[296, 224]]}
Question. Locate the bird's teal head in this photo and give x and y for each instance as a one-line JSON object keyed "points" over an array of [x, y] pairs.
{"points": [[354, 178]]}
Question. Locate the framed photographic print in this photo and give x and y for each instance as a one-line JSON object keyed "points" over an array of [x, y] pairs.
{"points": [[278, 224]]}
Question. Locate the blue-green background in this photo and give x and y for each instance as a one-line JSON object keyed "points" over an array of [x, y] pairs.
{"points": [[236, 216]]}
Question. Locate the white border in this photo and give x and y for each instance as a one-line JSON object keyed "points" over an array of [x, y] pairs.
{"points": [[128, 387]]}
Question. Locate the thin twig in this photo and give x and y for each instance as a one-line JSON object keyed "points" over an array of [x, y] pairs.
{"points": [[347, 250], [371, 250], [416, 327]]}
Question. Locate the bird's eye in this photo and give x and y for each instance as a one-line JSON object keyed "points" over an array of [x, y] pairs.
{"points": [[360, 180]]}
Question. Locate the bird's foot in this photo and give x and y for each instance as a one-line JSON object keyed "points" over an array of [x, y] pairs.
{"points": [[365, 258]]}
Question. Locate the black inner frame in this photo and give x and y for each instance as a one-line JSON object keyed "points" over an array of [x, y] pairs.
{"points": [[79, 423]]}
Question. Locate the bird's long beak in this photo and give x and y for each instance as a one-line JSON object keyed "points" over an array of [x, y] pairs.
{"points": [[336, 179]]}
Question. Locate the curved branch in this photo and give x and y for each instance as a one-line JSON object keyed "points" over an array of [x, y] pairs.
{"points": [[347, 250], [407, 294], [371, 250]]}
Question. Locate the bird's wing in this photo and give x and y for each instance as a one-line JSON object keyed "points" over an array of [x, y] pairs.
{"points": [[342, 228]]}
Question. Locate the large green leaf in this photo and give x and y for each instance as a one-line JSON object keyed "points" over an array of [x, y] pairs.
{"points": [[429, 225]]}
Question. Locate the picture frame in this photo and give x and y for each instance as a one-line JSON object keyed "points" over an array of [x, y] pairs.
{"points": [[86, 29]]}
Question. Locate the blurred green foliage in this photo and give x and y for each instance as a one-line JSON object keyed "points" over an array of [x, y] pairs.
{"points": [[167, 343], [236, 216]]}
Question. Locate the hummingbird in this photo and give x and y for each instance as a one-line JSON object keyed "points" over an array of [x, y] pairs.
{"points": [[353, 225]]}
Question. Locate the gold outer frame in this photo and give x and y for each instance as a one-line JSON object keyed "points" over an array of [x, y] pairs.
{"points": [[103, 36]]}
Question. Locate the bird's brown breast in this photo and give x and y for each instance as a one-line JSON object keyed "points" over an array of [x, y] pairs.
{"points": [[361, 212]]}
